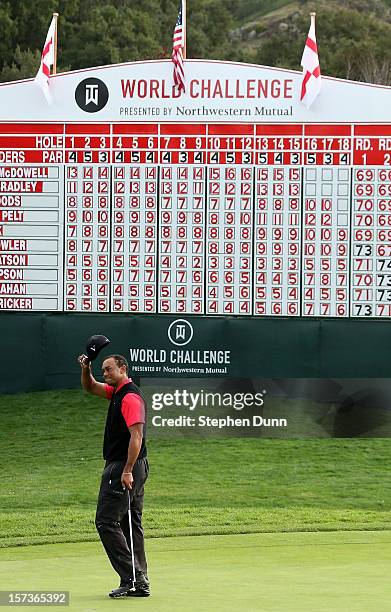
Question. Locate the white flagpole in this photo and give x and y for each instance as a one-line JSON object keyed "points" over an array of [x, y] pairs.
{"points": [[55, 17], [184, 25]]}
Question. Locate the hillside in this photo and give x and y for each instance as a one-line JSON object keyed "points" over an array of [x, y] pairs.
{"points": [[354, 36], [247, 10]]}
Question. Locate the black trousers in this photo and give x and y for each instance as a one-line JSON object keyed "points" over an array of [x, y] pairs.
{"points": [[112, 518]]}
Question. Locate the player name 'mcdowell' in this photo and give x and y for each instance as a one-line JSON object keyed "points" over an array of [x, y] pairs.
{"points": [[179, 356], [24, 172]]}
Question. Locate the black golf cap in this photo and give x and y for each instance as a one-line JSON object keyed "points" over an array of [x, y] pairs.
{"points": [[94, 346]]}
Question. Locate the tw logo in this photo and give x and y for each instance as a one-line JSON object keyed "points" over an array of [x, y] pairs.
{"points": [[91, 95], [180, 332]]}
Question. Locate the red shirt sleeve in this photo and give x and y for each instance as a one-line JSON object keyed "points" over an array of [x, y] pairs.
{"points": [[109, 391], [133, 409]]}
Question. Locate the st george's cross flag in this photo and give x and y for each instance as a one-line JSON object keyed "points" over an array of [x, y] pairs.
{"points": [[178, 44], [47, 60], [311, 70]]}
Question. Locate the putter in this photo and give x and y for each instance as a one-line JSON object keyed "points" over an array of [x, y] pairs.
{"points": [[131, 541]]}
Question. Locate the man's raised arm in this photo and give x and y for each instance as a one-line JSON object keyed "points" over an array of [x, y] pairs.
{"points": [[88, 382]]}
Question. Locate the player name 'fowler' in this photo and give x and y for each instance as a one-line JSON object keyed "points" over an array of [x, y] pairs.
{"points": [[230, 89], [13, 245]]}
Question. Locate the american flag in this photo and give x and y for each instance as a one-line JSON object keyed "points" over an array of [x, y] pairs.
{"points": [[178, 43]]}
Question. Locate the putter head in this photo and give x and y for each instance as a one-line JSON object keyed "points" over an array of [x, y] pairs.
{"points": [[94, 346]]}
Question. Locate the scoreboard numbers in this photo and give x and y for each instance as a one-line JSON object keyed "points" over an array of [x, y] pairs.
{"points": [[278, 205], [134, 218], [181, 287], [87, 211], [242, 219]]}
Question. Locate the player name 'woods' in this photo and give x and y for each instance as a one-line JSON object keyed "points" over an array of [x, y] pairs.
{"points": [[210, 88]]}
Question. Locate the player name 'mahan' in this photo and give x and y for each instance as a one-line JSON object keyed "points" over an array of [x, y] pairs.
{"points": [[228, 89], [13, 289]]}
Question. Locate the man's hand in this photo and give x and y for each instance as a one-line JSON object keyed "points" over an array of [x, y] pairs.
{"points": [[127, 480], [84, 362], [88, 382]]}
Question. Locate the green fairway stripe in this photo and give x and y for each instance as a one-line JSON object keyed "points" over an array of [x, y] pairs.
{"points": [[73, 525], [196, 486]]}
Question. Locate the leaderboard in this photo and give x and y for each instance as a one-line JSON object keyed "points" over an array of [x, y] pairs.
{"points": [[196, 218]]}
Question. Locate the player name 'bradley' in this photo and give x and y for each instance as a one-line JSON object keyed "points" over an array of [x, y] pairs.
{"points": [[21, 186], [228, 89]]}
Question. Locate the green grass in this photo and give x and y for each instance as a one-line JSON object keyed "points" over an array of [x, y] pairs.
{"points": [[248, 9], [51, 448], [306, 572]]}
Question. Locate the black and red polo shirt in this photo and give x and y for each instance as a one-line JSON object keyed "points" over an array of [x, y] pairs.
{"points": [[127, 407]]}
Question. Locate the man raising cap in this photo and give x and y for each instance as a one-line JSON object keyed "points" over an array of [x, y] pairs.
{"points": [[120, 502]]}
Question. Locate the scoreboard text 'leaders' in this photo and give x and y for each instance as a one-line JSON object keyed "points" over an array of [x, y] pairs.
{"points": [[231, 199]]}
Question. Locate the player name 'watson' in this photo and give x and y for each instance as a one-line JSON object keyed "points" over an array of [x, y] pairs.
{"points": [[230, 89]]}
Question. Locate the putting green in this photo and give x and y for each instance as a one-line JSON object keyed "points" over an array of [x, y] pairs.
{"points": [[322, 572]]}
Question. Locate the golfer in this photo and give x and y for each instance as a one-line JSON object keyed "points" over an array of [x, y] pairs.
{"points": [[120, 502]]}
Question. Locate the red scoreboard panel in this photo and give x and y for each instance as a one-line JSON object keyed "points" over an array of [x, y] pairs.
{"points": [[264, 216]]}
